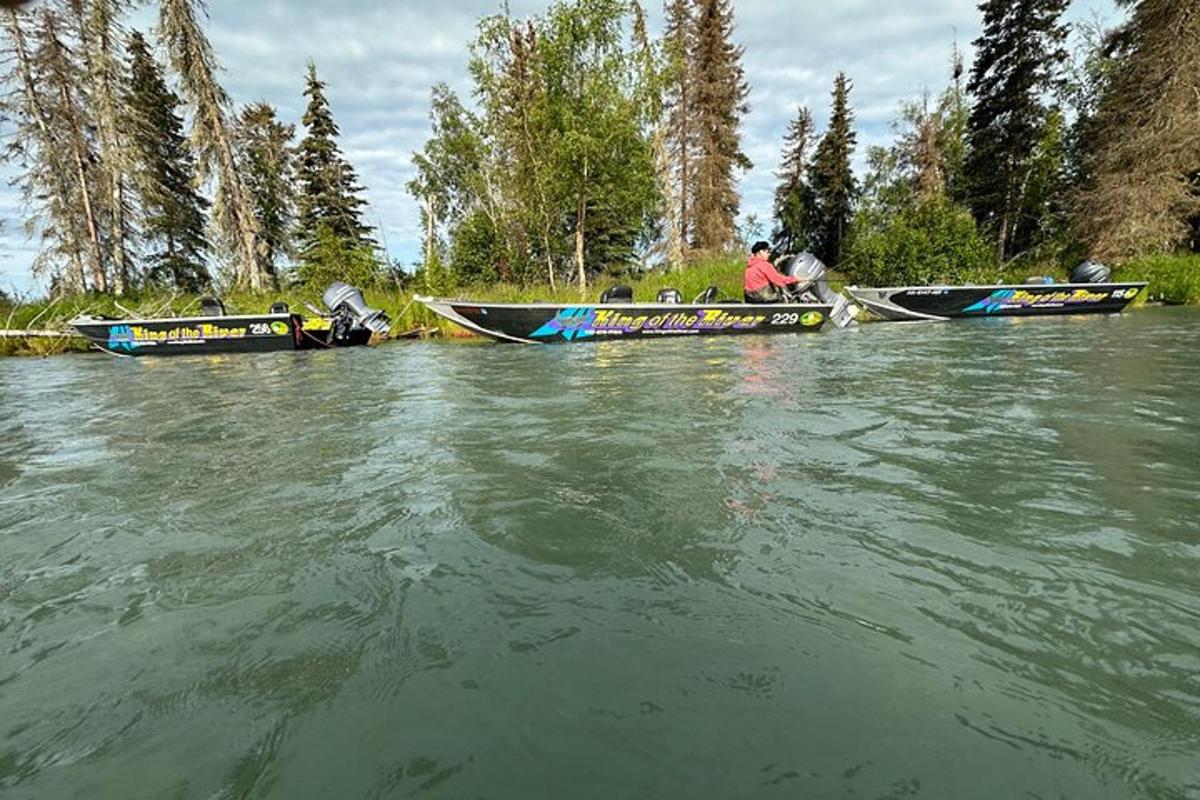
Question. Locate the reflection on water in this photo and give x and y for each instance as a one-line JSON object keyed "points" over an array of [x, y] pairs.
{"points": [[925, 560]]}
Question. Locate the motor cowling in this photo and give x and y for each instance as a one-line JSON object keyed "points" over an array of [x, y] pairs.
{"points": [[617, 294], [346, 302], [1091, 272], [812, 273]]}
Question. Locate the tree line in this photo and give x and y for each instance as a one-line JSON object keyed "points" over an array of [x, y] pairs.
{"points": [[125, 197], [588, 146], [591, 147]]}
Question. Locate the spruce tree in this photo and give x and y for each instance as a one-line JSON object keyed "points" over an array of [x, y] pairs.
{"points": [[793, 196], [719, 101], [328, 189], [264, 155], [173, 219], [1142, 147], [833, 184], [1017, 62]]}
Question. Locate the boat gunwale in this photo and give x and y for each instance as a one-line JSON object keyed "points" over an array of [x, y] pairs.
{"points": [[540, 305], [134, 320], [994, 286]]}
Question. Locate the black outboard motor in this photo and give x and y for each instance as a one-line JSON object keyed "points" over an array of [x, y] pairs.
{"points": [[617, 294], [349, 310], [1091, 272], [811, 271]]}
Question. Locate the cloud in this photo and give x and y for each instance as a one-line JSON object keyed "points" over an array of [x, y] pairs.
{"points": [[380, 59]]}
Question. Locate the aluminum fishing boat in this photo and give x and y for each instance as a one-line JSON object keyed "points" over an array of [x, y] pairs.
{"points": [[804, 309], [349, 323], [1089, 292], [548, 323]]}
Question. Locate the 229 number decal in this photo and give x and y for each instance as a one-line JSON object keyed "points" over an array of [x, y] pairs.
{"points": [[785, 319]]}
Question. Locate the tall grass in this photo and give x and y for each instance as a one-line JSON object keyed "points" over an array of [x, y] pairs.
{"points": [[1173, 278]]}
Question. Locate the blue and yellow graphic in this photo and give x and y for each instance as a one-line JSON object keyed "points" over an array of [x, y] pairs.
{"points": [[582, 322], [571, 323], [121, 337], [1020, 298]]}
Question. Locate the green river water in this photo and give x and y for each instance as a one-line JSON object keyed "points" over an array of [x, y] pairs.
{"points": [[940, 561]]}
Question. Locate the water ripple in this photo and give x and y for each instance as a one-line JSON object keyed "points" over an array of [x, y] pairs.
{"points": [[945, 560]]}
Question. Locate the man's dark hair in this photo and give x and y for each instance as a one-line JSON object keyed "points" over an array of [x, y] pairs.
{"points": [[759, 247]]}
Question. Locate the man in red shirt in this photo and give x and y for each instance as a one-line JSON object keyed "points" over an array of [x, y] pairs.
{"points": [[763, 283]]}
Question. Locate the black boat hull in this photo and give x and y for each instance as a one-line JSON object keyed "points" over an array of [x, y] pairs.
{"points": [[261, 333], [546, 323], [937, 303]]}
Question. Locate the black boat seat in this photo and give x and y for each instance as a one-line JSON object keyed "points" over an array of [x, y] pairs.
{"points": [[617, 294], [670, 297], [279, 308], [212, 307], [709, 295]]}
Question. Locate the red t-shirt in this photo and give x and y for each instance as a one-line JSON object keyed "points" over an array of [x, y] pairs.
{"points": [[760, 272]]}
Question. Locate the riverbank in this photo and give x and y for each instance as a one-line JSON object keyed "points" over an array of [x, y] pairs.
{"points": [[1173, 279]]}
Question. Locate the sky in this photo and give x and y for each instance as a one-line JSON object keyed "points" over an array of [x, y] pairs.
{"points": [[380, 59]]}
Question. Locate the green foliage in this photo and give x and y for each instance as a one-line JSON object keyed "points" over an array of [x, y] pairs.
{"points": [[555, 173], [833, 184], [1173, 278], [265, 158], [794, 200], [329, 193], [172, 211], [478, 252], [1017, 62], [331, 257], [933, 241], [719, 95]]}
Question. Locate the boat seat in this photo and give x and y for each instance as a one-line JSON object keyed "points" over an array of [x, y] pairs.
{"points": [[212, 307], [670, 297], [279, 308], [617, 294]]}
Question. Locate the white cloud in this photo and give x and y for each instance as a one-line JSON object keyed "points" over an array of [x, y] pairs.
{"points": [[380, 60]]}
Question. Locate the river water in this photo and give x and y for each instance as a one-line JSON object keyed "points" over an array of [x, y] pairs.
{"points": [[942, 561]]}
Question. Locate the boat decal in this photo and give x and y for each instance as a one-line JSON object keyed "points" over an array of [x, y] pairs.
{"points": [[130, 337], [120, 337], [571, 323], [587, 321], [1019, 298]]}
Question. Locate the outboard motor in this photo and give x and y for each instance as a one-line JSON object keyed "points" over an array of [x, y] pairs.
{"points": [[670, 297], [811, 270], [349, 310], [617, 294], [1091, 272]]}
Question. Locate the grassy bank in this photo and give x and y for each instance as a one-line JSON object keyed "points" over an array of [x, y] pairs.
{"points": [[1173, 279]]}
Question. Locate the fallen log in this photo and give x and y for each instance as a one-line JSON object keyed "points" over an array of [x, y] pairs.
{"points": [[34, 334]]}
